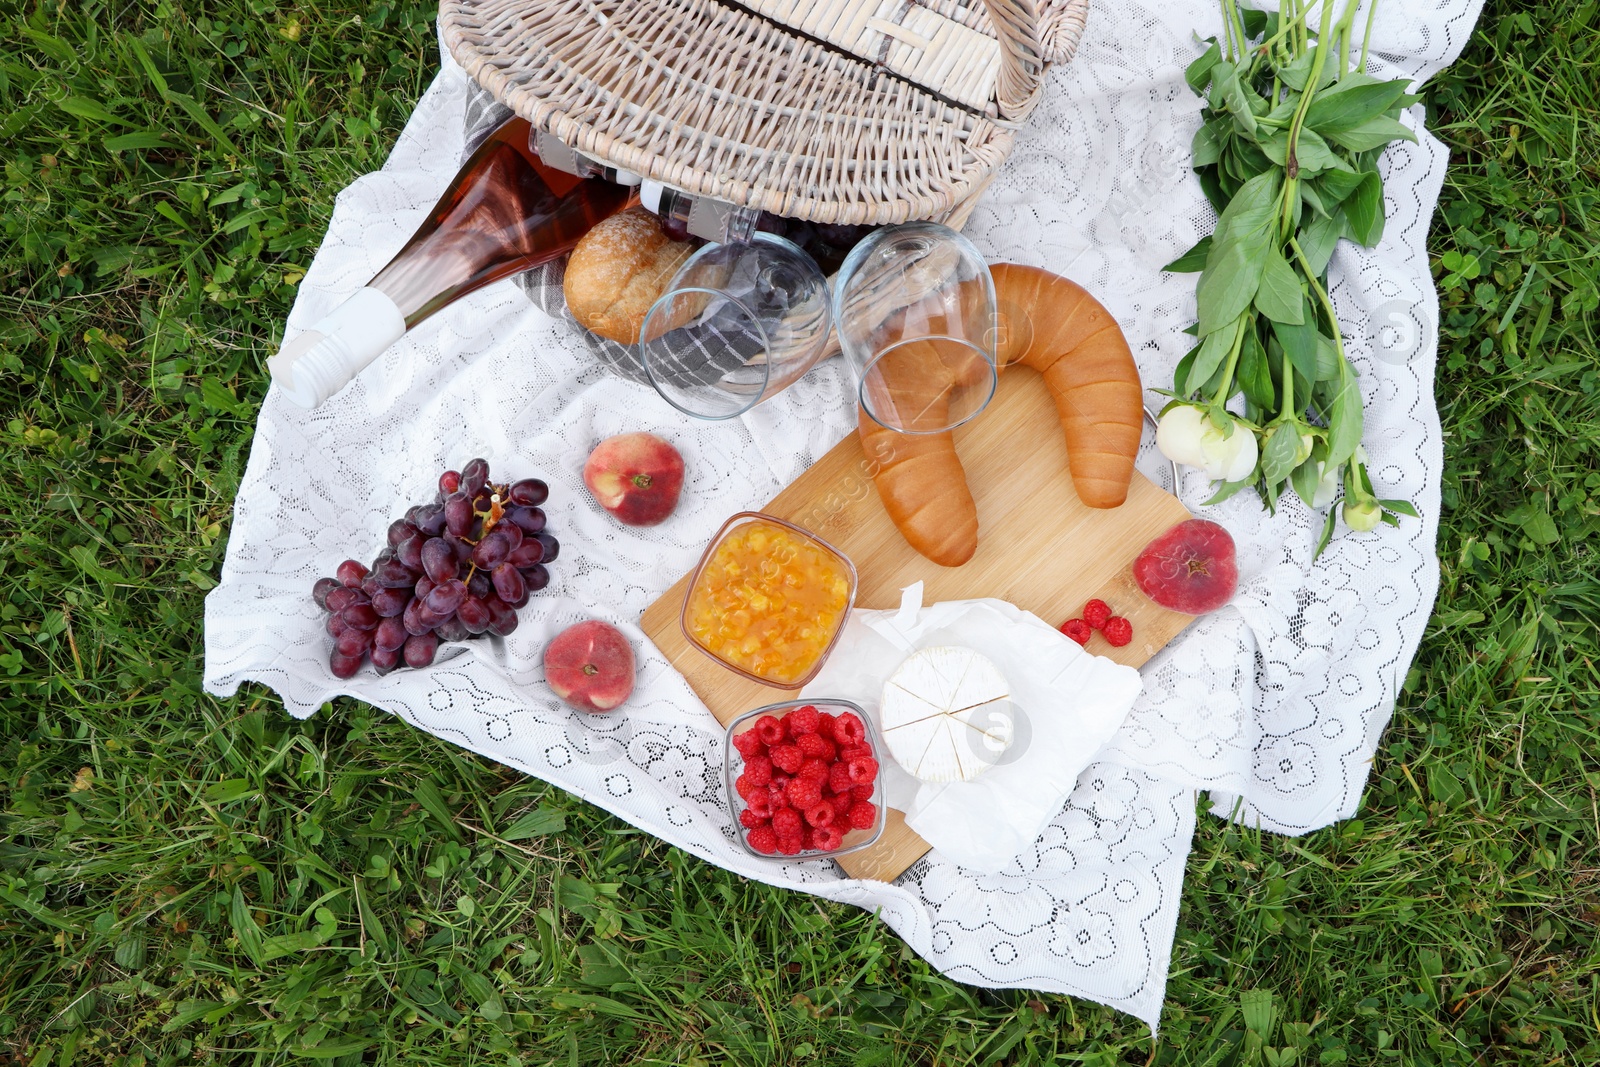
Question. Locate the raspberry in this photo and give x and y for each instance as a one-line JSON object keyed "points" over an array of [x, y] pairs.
{"points": [[787, 758], [827, 838], [863, 813], [839, 778], [815, 746], [802, 721], [821, 814], [848, 730], [803, 793], [758, 769], [760, 805], [851, 752], [1078, 630], [862, 792], [750, 820], [842, 805], [1118, 631], [769, 730], [790, 846], [815, 770], [825, 723], [786, 821], [763, 840], [749, 745], [1096, 612], [776, 794], [863, 771], [745, 787], [808, 839]]}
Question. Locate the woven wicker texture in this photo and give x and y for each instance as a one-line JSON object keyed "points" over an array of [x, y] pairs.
{"points": [[848, 111]]}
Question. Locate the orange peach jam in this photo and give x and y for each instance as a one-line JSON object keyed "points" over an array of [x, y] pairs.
{"points": [[769, 601]]}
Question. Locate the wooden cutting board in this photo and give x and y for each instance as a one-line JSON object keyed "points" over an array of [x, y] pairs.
{"points": [[1039, 547]]}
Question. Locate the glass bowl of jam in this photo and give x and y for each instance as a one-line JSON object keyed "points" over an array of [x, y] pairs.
{"points": [[769, 600]]}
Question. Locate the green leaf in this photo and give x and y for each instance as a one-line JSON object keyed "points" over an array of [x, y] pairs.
{"points": [[1305, 479], [1319, 237], [1541, 528], [1214, 351], [232, 789], [1336, 185], [84, 107], [1259, 1015], [1255, 373], [290, 944], [1198, 73], [1297, 73], [1351, 104], [1299, 339], [371, 925], [244, 926], [1327, 534], [1229, 489], [1312, 199], [1345, 422], [1365, 211], [597, 1003], [1237, 258], [1208, 143], [1374, 133], [332, 1050], [1329, 364], [1277, 458], [1193, 260], [1401, 507], [1280, 297], [536, 823], [1312, 154], [427, 794], [142, 139]]}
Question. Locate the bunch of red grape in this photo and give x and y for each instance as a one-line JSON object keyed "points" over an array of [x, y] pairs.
{"points": [[454, 569]]}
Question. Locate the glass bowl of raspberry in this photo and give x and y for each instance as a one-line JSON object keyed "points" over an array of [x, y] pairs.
{"points": [[804, 779]]}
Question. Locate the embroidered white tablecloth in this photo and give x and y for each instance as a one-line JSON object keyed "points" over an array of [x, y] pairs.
{"points": [[1273, 705]]}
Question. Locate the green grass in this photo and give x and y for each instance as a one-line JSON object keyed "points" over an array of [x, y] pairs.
{"points": [[185, 880]]}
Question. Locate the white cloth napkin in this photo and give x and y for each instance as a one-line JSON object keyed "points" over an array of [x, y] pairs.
{"points": [[1066, 704]]}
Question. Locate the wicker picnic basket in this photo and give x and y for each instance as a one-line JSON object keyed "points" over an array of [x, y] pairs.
{"points": [[839, 111]]}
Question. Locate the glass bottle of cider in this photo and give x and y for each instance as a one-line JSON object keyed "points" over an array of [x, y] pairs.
{"points": [[506, 211]]}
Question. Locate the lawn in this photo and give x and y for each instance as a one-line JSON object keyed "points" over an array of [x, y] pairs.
{"points": [[186, 880]]}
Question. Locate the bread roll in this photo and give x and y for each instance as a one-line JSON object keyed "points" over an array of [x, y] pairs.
{"points": [[618, 270]]}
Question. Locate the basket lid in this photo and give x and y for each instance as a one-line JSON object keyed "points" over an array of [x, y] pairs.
{"points": [[720, 101]]}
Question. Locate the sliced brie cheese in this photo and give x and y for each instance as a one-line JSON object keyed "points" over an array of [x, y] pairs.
{"points": [[946, 714]]}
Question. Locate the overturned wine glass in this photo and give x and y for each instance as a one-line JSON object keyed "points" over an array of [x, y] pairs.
{"points": [[738, 323], [918, 327]]}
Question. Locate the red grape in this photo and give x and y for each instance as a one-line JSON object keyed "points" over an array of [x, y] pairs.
{"points": [[452, 629], [530, 520], [343, 666], [552, 547], [508, 583], [512, 533], [396, 575], [320, 591], [504, 618], [536, 577], [458, 514], [342, 598], [491, 552], [420, 649], [527, 554], [409, 551], [431, 520], [439, 559], [530, 492], [351, 572], [474, 614], [399, 530], [449, 482], [390, 634], [479, 585], [336, 624], [354, 643], [474, 476], [360, 617], [412, 619], [446, 597], [391, 602], [385, 660]]}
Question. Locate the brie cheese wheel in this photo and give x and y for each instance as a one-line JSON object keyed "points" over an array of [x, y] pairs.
{"points": [[946, 714]]}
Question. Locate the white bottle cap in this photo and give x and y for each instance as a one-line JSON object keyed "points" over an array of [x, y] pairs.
{"points": [[650, 196], [321, 361]]}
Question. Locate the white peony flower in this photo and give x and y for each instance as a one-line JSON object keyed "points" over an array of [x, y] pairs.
{"points": [[1327, 487], [1185, 435]]}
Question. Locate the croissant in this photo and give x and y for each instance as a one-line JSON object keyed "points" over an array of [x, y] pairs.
{"points": [[1054, 326]]}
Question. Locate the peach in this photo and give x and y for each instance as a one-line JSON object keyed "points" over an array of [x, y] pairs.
{"points": [[635, 476], [1191, 568], [590, 666]]}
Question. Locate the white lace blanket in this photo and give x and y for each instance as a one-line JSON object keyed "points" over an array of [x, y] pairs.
{"points": [[1275, 704]]}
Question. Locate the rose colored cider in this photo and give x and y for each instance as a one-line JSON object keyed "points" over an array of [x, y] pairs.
{"points": [[768, 601], [505, 212]]}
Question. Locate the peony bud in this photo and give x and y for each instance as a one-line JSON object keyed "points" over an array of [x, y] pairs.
{"points": [[1362, 516], [1186, 435]]}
